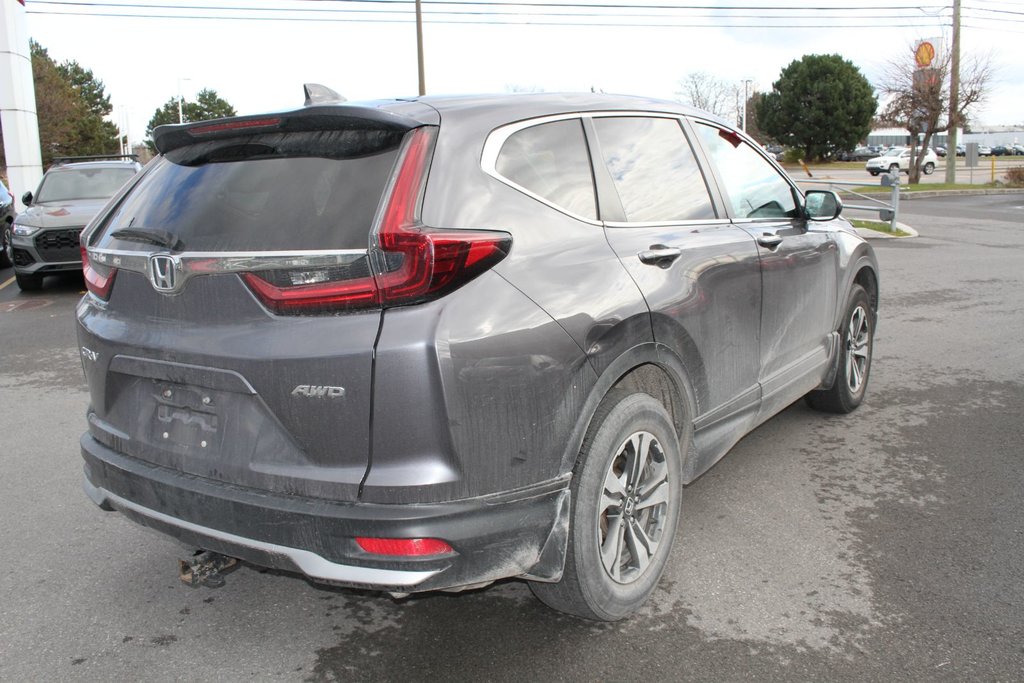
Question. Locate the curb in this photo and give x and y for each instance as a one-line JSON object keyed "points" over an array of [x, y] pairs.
{"points": [[926, 194], [876, 235]]}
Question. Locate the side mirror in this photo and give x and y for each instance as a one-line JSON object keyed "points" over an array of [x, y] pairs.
{"points": [[822, 205], [26, 198]]}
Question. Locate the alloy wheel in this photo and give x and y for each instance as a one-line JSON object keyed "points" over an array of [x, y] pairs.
{"points": [[858, 349], [633, 508]]}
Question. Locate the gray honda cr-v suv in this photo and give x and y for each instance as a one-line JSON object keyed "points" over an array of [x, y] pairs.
{"points": [[430, 343]]}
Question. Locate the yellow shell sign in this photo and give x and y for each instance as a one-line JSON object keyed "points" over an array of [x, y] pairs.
{"points": [[924, 55]]}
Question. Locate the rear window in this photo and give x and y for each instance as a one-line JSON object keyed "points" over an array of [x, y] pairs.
{"points": [[61, 185], [274, 192]]}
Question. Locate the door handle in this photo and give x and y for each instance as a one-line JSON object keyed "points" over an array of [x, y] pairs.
{"points": [[769, 240], [659, 255]]}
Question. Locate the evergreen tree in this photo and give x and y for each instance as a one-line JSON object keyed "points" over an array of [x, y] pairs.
{"points": [[821, 104], [208, 105]]}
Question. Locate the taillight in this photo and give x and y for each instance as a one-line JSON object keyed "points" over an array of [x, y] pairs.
{"points": [[98, 279], [404, 547], [410, 263]]}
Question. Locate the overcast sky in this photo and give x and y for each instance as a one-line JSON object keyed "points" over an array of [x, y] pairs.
{"points": [[258, 59]]}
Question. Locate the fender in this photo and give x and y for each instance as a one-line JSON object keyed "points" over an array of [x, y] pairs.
{"points": [[651, 353], [551, 563]]}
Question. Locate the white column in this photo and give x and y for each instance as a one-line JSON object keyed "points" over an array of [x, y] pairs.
{"points": [[18, 102]]}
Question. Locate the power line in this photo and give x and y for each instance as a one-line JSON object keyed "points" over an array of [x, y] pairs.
{"points": [[513, 3], [528, 22], [437, 12]]}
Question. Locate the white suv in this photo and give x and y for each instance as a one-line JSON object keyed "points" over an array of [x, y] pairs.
{"points": [[898, 159]]}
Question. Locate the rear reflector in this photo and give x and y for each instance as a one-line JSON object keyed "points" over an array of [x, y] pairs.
{"points": [[404, 547], [99, 283], [410, 263]]}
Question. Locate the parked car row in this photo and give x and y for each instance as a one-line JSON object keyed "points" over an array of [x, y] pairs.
{"points": [[44, 239]]}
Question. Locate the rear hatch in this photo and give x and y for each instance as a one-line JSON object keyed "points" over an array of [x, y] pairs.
{"points": [[230, 327]]}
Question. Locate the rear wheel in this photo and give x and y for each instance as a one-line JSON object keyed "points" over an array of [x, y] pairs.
{"points": [[626, 492], [857, 340], [929, 168], [29, 283], [894, 168]]}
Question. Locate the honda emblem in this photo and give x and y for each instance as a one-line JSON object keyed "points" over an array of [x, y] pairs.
{"points": [[163, 272]]}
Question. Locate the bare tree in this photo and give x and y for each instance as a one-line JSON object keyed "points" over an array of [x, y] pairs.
{"points": [[918, 99], [703, 91]]}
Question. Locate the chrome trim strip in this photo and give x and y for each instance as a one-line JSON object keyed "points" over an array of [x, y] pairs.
{"points": [[189, 264], [712, 222], [309, 563]]}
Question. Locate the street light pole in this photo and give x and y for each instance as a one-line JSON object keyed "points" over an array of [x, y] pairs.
{"points": [[746, 84], [181, 98]]}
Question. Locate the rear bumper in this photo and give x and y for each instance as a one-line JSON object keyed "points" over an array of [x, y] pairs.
{"points": [[520, 533]]}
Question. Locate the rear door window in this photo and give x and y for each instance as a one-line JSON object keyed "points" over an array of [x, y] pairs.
{"points": [[654, 169], [755, 189], [551, 160], [275, 192]]}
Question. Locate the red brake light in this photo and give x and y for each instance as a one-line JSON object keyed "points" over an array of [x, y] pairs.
{"points": [[97, 282], [234, 125], [404, 547], [411, 263]]}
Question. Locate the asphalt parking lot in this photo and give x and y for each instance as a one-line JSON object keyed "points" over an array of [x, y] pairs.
{"points": [[885, 545]]}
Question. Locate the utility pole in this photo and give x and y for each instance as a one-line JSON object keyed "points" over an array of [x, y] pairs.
{"points": [[419, 48], [954, 97]]}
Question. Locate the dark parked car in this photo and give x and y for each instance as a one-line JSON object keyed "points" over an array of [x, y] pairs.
{"points": [[1001, 151], [940, 151], [7, 214], [427, 344], [44, 239], [859, 154]]}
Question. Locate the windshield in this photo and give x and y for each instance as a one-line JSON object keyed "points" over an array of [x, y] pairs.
{"points": [[61, 185]]}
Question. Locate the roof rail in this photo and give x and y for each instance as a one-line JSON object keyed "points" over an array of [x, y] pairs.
{"points": [[60, 161]]}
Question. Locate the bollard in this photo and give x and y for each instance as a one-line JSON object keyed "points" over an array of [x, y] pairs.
{"points": [[891, 180]]}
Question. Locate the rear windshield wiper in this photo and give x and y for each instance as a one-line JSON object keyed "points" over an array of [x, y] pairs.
{"points": [[160, 238]]}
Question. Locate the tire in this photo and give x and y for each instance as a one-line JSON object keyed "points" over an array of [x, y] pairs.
{"points": [[857, 342], [929, 168], [29, 283], [894, 168], [605, 577], [873, 172]]}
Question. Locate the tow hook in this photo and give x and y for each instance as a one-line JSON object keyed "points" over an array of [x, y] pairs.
{"points": [[205, 568]]}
